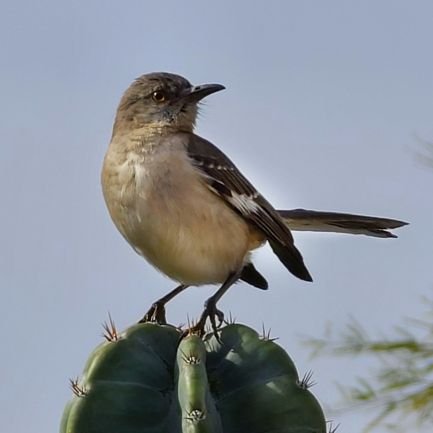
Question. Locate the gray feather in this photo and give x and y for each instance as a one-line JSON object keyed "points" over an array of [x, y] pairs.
{"points": [[311, 220]]}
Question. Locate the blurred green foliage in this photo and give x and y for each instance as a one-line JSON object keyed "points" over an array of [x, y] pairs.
{"points": [[399, 392]]}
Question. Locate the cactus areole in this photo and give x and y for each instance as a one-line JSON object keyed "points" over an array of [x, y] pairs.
{"points": [[146, 381]]}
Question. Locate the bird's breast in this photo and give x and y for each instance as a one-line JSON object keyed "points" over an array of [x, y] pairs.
{"points": [[162, 206]]}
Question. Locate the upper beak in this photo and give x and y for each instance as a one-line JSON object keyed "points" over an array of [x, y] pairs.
{"points": [[197, 93]]}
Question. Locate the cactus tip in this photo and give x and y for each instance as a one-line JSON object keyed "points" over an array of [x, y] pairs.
{"points": [[191, 329], [110, 330], [79, 391], [266, 335], [332, 429], [306, 382], [196, 415], [190, 358], [231, 320]]}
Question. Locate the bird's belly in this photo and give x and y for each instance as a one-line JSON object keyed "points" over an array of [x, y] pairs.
{"points": [[193, 242]]}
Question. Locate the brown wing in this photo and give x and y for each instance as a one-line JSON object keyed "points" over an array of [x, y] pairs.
{"points": [[225, 180]]}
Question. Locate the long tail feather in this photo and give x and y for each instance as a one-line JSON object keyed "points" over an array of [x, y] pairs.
{"points": [[316, 221]]}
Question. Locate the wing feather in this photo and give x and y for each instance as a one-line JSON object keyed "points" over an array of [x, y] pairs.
{"points": [[224, 179]]}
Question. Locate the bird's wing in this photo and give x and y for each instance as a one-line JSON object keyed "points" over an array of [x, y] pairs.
{"points": [[224, 179], [311, 220]]}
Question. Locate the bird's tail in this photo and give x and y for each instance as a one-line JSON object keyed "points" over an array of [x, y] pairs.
{"points": [[316, 221]]}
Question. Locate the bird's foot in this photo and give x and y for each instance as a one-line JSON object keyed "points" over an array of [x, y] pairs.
{"points": [[210, 312], [156, 314]]}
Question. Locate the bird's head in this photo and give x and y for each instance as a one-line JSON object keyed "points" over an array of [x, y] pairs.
{"points": [[161, 100]]}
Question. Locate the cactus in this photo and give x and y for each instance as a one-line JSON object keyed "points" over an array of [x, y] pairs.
{"points": [[148, 380]]}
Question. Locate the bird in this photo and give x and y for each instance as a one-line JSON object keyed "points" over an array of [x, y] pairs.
{"points": [[186, 208]]}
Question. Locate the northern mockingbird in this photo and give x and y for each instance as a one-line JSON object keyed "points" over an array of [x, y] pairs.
{"points": [[184, 206]]}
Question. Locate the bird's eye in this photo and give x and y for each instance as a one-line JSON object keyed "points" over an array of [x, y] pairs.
{"points": [[158, 96]]}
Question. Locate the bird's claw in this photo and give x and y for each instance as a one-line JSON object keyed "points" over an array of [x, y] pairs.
{"points": [[212, 313], [156, 314]]}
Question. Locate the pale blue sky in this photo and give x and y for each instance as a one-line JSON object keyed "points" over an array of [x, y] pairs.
{"points": [[323, 103]]}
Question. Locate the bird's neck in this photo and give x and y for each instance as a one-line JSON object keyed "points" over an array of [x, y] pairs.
{"points": [[152, 130]]}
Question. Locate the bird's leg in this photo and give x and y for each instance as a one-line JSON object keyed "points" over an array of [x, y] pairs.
{"points": [[156, 312], [210, 309]]}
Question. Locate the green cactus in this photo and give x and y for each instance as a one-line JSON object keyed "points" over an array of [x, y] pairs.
{"points": [[146, 381]]}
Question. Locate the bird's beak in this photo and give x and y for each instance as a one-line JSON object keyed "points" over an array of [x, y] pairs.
{"points": [[197, 93]]}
